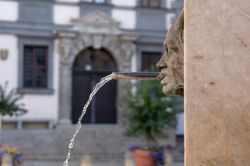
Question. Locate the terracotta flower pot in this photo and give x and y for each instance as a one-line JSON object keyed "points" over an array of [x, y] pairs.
{"points": [[144, 158]]}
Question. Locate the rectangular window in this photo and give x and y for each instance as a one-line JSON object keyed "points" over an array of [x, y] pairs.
{"points": [[155, 3], [96, 1], [144, 3], [150, 3], [35, 71], [100, 1], [149, 60]]}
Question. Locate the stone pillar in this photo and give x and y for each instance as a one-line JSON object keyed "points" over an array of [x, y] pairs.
{"points": [[217, 83], [65, 93]]}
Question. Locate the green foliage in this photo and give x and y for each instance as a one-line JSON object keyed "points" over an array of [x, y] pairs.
{"points": [[8, 102], [149, 111]]}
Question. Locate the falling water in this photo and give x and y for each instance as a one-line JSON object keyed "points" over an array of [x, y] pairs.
{"points": [[103, 81]]}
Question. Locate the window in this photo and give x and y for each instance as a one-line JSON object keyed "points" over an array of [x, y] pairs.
{"points": [[35, 66], [150, 3], [149, 60], [96, 1]]}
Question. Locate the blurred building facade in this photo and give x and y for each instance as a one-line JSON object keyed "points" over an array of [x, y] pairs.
{"points": [[51, 43], [58, 49]]}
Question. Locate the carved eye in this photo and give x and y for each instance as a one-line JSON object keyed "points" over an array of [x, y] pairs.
{"points": [[166, 49]]}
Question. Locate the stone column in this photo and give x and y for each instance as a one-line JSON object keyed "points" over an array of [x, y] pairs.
{"points": [[68, 48], [65, 93], [217, 83]]}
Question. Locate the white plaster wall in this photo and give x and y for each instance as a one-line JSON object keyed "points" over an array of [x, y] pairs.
{"points": [[8, 67], [169, 3], [42, 107], [63, 14], [127, 18], [73, 1], [129, 3], [169, 18], [8, 10]]}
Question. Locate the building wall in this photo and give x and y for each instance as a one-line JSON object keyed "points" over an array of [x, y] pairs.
{"points": [[8, 67], [8, 10], [127, 3], [63, 14], [42, 107], [39, 19]]}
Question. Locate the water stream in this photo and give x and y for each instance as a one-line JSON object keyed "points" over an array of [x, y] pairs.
{"points": [[103, 81]]}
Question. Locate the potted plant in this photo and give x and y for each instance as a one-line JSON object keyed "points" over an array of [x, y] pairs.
{"points": [[11, 155], [9, 105], [150, 112], [9, 102]]}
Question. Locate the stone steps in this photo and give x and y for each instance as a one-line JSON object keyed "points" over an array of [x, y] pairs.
{"points": [[102, 142]]}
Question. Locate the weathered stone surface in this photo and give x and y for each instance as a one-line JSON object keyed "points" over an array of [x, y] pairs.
{"points": [[217, 83], [171, 64]]}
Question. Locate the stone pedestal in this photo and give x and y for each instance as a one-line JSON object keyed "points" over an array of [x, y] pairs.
{"points": [[217, 83]]}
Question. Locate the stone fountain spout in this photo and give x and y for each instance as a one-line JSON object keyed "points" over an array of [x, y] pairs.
{"points": [[137, 76]]}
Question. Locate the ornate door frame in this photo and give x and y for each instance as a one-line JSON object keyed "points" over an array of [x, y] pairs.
{"points": [[96, 30]]}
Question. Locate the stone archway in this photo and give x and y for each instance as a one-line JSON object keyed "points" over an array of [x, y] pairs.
{"points": [[96, 30]]}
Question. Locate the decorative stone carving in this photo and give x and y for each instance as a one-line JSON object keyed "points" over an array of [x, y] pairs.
{"points": [[4, 54], [64, 50], [97, 41], [96, 30], [98, 22], [171, 63], [127, 50]]}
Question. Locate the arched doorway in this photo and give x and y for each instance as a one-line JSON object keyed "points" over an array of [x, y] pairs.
{"points": [[88, 68]]}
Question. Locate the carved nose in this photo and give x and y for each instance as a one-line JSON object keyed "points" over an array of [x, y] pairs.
{"points": [[161, 64]]}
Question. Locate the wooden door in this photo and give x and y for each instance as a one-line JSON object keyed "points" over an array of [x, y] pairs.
{"points": [[103, 106]]}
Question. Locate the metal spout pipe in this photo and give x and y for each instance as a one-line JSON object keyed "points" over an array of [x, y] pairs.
{"points": [[137, 76]]}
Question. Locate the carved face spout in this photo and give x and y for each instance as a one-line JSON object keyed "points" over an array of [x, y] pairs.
{"points": [[171, 64]]}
